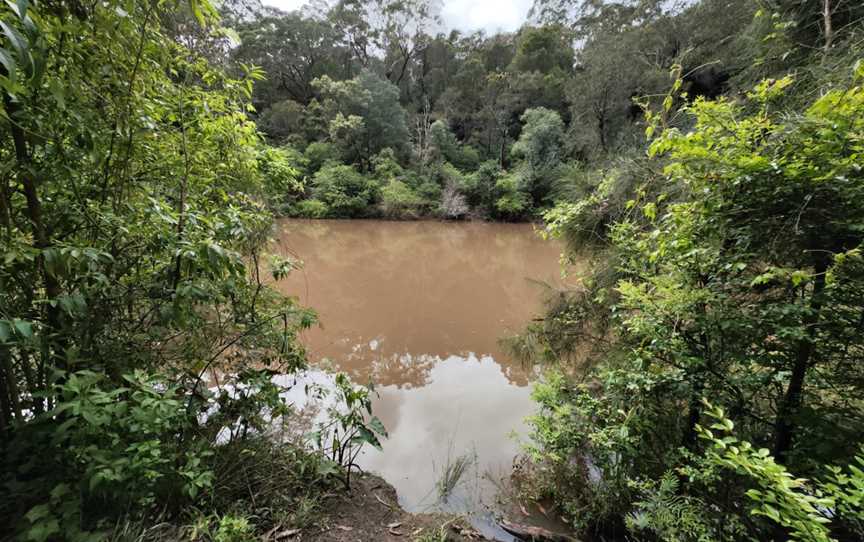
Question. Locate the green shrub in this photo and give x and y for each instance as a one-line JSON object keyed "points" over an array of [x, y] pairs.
{"points": [[319, 153], [398, 200], [467, 158], [736, 275], [346, 192], [386, 166], [510, 202], [310, 208], [282, 120], [429, 191], [119, 448], [282, 169], [233, 528]]}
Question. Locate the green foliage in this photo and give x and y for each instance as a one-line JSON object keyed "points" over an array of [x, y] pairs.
{"points": [[722, 279], [319, 153], [668, 514], [117, 446], [282, 120], [367, 75], [310, 208], [540, 145], [795, 503], [132, 223], [446, 148], [365, 116], [294, 50], [350, 426], [443, 141], [540, 142], [385, 165], [398, 200], [226, 528], [544, 49], [344, 191], [510, 203], [579, 446], [233, 529], [281, 169]]}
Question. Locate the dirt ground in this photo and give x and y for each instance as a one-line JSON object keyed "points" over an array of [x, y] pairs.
{"points": [[371, 513]]}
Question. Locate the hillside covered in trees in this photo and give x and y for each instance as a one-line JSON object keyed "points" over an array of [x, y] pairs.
{"points": [[469, 125], [703, 382]]}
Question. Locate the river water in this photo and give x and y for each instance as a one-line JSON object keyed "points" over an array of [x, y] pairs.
{"points": [[419, 308]]}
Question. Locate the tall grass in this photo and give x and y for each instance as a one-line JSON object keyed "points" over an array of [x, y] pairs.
{"points": [[454, 471]]}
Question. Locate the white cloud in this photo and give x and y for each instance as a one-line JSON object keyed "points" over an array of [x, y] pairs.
{"points": [[465, 15], [285, 5], [489, 15]]}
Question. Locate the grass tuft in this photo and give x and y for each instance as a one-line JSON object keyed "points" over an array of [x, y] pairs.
{"points": [[454, 470]]}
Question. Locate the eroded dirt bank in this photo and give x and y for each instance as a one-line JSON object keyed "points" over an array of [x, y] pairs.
{"points": [[369, 512]]}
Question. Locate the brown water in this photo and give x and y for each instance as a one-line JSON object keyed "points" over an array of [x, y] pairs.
{"points": [[419, 308]]}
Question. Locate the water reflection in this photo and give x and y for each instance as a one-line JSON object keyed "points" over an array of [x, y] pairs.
{"points": [[467, 406], [419, 308]]}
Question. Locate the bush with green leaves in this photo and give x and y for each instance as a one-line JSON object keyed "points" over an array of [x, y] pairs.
{"points": [[510, 202], [282, 170], [398, 200], [805, 508], [349, 427], [364, 116], [125, 448], [736, 275], [310, 208], [319, 153], [385, 166], [666, 513], [283, 121], [446, 148], [346, 192], [540, 146], [133, 220]]}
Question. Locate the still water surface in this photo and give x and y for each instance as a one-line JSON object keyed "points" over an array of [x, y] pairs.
{"points": [[419, 308]]}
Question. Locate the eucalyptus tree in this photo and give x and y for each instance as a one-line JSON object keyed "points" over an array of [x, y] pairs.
{"points": [[364, 116], [393, 31], [540, 146], [293, 50]]}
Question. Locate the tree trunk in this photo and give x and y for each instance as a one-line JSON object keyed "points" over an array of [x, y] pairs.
{"points": [[694, 413], [784, 429], [5, 213], [601, 131], [12, 406], [828, 26], [29, 184]]}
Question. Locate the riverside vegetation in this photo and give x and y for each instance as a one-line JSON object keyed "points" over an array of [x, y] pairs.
{"points": [[703, 383]]}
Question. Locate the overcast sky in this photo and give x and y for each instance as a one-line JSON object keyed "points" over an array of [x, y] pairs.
{"points": [[464, 15]]}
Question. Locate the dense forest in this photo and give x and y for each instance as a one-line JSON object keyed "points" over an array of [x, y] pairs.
{"points": [[704, 381]]}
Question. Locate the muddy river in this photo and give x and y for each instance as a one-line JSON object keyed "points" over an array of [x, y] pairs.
{"points": [[419, 308]]}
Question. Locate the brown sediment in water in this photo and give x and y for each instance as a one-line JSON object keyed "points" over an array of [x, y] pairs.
{"points": [[395, 296], [419, 308]]}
